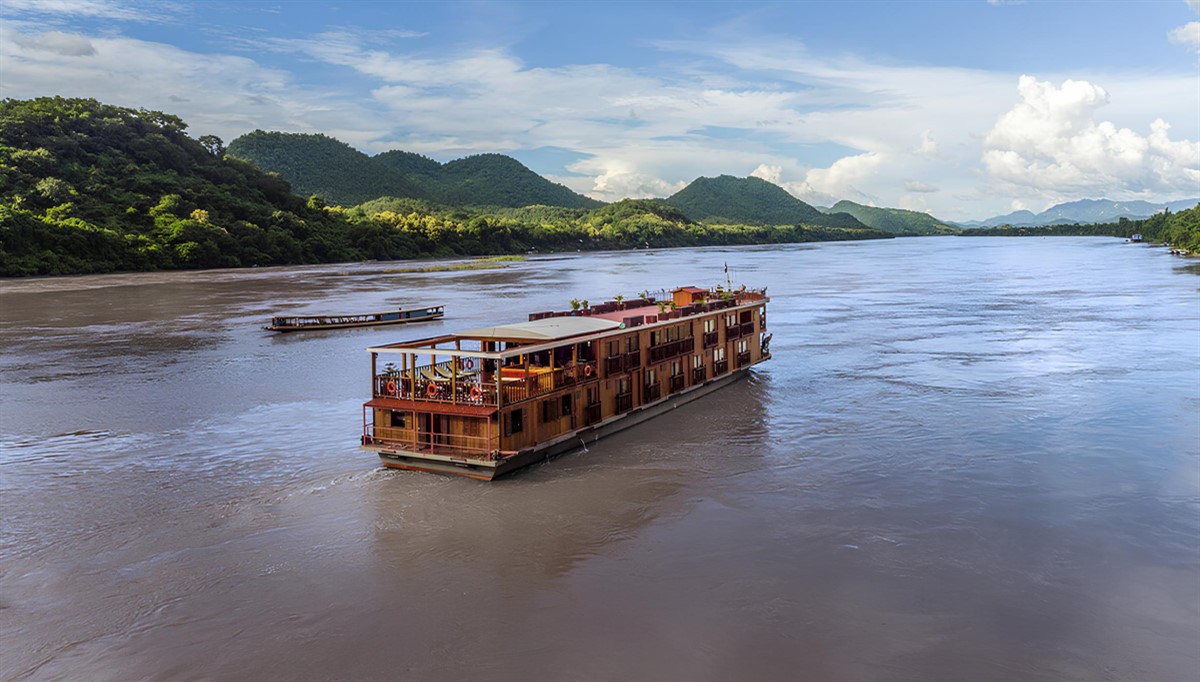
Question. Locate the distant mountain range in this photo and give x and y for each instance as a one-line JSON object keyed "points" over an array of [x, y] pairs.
{"points": [[340, 174], [753, 201], [1084, 212]]}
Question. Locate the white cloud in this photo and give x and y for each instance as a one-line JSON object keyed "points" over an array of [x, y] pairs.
{"points": [[1187, 35], [771, 174], [917, 186], [1049, 141], [66, 44], [97, 9], [928, 147]]}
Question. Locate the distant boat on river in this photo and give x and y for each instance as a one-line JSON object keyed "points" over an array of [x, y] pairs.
{"points": [[312, 322]]}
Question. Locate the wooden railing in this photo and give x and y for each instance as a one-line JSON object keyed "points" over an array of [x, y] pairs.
{"points": [[676, 384], [546, 381], [720, 367], [743, 359], [699, 374], [624, 402], [665, 351], [467, 389], [746, 328], [653, 392], [732, 331], [439, 443], [710, 339], [591, 413]]}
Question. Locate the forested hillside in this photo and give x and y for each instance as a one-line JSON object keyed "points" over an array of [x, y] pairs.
{"points": [[895, 220], [342, 175], [1181, 230], [750, 200], [321, 165], [87, 187]]}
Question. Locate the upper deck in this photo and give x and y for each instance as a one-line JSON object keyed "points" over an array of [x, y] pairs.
{"points": [[481, 370]]}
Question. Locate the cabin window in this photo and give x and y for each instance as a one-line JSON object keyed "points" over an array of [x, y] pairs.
{"points": [[654, 338], [586, 352], [514, 423], [622, 386], [675, 368], [397, 421], [697, 361], [549, 410], [614, 348], [710, 326], [651, 377], [731, 319], [719, 353], [565, 406], [743, 345], [631, 343]]}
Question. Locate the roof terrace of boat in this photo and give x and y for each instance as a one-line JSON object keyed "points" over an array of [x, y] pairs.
{"points": [[551, 329]]}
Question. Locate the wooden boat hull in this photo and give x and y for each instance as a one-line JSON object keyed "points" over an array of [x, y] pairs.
{"points": [[484, 470], [316, 322], [348, 325]]}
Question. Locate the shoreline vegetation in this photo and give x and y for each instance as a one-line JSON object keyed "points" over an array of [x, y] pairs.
{"points": [[89, 188], [1179, 230]]}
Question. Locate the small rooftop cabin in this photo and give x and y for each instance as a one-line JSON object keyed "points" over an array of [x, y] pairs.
{"points": [[485, 401]]}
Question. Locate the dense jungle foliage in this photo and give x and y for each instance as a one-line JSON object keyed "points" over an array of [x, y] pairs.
{"points": [[87, 187], [342, 175], [726, 199], [1180, 230], [895, 220]]}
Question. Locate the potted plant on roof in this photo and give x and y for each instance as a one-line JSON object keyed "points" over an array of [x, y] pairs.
{"points": [[575, 306], [620, 301], [587, 310], [662, 310]]}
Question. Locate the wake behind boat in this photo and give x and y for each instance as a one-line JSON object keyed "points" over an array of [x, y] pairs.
{"points": [[310, 322]]}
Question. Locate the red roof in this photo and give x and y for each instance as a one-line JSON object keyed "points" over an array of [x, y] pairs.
{"points": [[440, 408], [691, 290]]}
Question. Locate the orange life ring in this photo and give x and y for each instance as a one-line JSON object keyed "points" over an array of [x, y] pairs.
{"points": [[587, 370], [391, 385], [469, 363], [476, 393], [432, 390]]}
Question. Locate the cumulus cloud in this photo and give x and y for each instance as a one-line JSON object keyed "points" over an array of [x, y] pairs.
{"points": [[843, 178], [1049, 140], [771, 174], [1187, 35], [66, 44]]}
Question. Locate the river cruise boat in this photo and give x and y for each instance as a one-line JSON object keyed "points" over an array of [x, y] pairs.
{"points": [[304, 323], [484, 402]]}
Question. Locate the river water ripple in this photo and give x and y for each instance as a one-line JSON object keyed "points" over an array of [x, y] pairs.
{"points": [[969, 459]]}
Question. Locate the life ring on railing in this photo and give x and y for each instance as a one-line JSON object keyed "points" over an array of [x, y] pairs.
{"points": [[468, 363], [587, 370], [476, 393], [432, 391], [391, 386]]}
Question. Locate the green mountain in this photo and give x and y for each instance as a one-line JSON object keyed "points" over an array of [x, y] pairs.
{"points": [[340, 174], [895, 220], [88, 187], [321, 165], [726, 199]]}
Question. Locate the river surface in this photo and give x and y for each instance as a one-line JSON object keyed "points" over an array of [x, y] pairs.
{"points": [[969, 459]]}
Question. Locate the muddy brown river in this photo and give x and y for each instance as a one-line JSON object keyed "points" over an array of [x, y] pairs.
{"points": [[969, 459]]}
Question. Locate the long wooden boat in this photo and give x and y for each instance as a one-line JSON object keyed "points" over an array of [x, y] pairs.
{"points": [[291, 324], [484, 402]]}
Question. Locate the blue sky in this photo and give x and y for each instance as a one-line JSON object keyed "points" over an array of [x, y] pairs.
{"points": [[963, 109]]}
